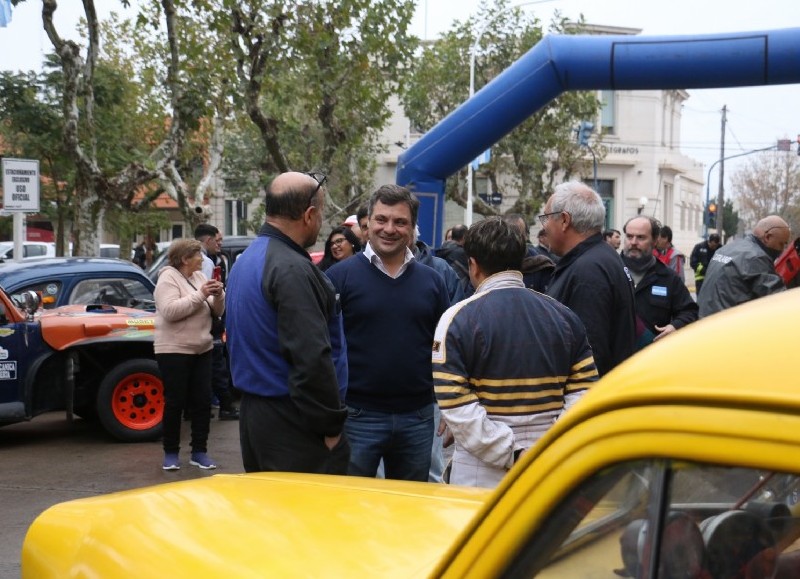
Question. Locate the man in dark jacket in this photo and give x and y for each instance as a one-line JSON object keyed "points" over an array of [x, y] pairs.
{"points": [[700, 258], [452, 251], [424, 254], [744, 270], [663, 304], [590, 278], [286, 339]]}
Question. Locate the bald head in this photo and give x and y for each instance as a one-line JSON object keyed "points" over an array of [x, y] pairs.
{"points": [[773, 232], [290, 194], [294, 204]]}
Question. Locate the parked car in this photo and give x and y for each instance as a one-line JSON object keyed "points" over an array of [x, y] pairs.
{"points": [[93, 361], [109, 250], [678, 463], [232, 247], [80, 280], [30, 250]]}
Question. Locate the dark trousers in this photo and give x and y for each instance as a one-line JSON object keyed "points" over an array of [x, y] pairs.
{"points": [[220, 376], [274, 436], [187, 384]]}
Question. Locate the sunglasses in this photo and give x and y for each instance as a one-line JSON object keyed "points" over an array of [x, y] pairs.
{"points": [[321, 179]]}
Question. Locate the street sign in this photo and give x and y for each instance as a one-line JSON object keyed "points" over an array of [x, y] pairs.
{"points": [[20, 186], [491, 199]]}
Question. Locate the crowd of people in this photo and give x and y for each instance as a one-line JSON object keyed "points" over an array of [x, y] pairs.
{"points": [[371, 362]]}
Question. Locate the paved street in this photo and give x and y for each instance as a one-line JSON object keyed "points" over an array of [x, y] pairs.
{"points": [[47, 461]]}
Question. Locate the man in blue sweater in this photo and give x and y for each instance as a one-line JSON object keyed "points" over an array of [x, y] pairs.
{"points": [[391, 304]]}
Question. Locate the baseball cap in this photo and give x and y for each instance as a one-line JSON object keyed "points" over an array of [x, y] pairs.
{"points": [[350, 221]]}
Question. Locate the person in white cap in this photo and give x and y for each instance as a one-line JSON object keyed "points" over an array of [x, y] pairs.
{"points": [[352, 223]]}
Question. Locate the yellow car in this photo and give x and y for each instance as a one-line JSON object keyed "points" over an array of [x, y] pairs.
{"points": [[682, 462]]}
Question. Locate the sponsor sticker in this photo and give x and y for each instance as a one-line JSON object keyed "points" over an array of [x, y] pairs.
{"points": [[8, 370], [147, 323]]}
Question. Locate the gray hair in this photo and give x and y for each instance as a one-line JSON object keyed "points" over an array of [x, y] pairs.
{"points": [[582, 203]]}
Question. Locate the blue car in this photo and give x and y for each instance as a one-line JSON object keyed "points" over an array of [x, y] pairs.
{"points": [[64, 281]]}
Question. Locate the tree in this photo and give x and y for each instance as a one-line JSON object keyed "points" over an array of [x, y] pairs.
{"points": [[539, 151], [730, 220], [313, 79], [100, 183], [32, 129], [769, 184]]}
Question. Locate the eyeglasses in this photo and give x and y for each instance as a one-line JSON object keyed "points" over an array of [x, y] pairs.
{"points": [[339, 241], [545, 216], [320, 178]]}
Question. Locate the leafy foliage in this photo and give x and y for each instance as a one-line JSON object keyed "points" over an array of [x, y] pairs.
{"points": [[537, 154]]}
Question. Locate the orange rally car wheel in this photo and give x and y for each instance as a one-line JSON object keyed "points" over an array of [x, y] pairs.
{"points": [[130, 401]]}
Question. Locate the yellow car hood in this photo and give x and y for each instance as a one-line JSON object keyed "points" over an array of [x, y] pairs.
{"points": [[255, 525]]}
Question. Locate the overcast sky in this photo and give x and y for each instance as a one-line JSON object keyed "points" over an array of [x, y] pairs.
{"points": [[757, 116]]}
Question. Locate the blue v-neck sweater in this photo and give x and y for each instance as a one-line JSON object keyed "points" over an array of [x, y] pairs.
{"points": [[389, 325]]}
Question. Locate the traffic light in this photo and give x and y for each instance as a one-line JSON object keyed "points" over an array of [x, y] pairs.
{"points": [[711, 215], [584, 132]]}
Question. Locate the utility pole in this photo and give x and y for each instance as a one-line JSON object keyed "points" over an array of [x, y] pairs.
{"points": [[721, 194]]}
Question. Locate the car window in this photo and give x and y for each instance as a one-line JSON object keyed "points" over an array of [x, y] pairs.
{"points": [[49, 290], [131, 293], [34, 250], [711, 522]]}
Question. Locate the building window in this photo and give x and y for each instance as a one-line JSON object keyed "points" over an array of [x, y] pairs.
{"points": [[235, 217], [669, 207], [605, 188], [608, 103]]}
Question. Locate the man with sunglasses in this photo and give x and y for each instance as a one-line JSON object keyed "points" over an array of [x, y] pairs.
{"points": [[744, 269], [590, 278], [286, 339]]}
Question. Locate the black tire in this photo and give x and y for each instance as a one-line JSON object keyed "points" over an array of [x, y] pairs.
{"points": [[130, 401]]}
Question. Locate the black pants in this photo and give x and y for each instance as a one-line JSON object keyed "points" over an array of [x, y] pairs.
{"points": [[187, 384], [275, 437], [220, 377]]}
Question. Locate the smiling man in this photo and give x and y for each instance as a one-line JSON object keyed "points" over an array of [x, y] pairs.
{"points": [[391, 304]]}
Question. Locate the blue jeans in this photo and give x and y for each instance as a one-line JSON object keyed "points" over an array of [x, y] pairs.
{"points": [[402, 440]]}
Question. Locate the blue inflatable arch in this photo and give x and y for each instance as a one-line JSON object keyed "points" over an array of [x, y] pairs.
{"points": [[583, 62]]}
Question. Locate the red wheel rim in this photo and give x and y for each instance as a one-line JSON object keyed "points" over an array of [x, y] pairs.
{"points": [[138, 401]]}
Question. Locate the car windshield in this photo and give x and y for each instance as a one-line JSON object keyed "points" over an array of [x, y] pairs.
{"points": [[130, 293]]}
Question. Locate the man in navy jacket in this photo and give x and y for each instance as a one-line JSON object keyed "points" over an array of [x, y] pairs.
{"points": [[590, 278]]}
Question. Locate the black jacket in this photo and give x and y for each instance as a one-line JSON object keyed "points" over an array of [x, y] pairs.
{"points": [[592, 281], [701, 255], [662, 298]]}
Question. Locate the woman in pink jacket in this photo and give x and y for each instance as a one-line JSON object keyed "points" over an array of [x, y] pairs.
{"points": [[185, 302]]}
